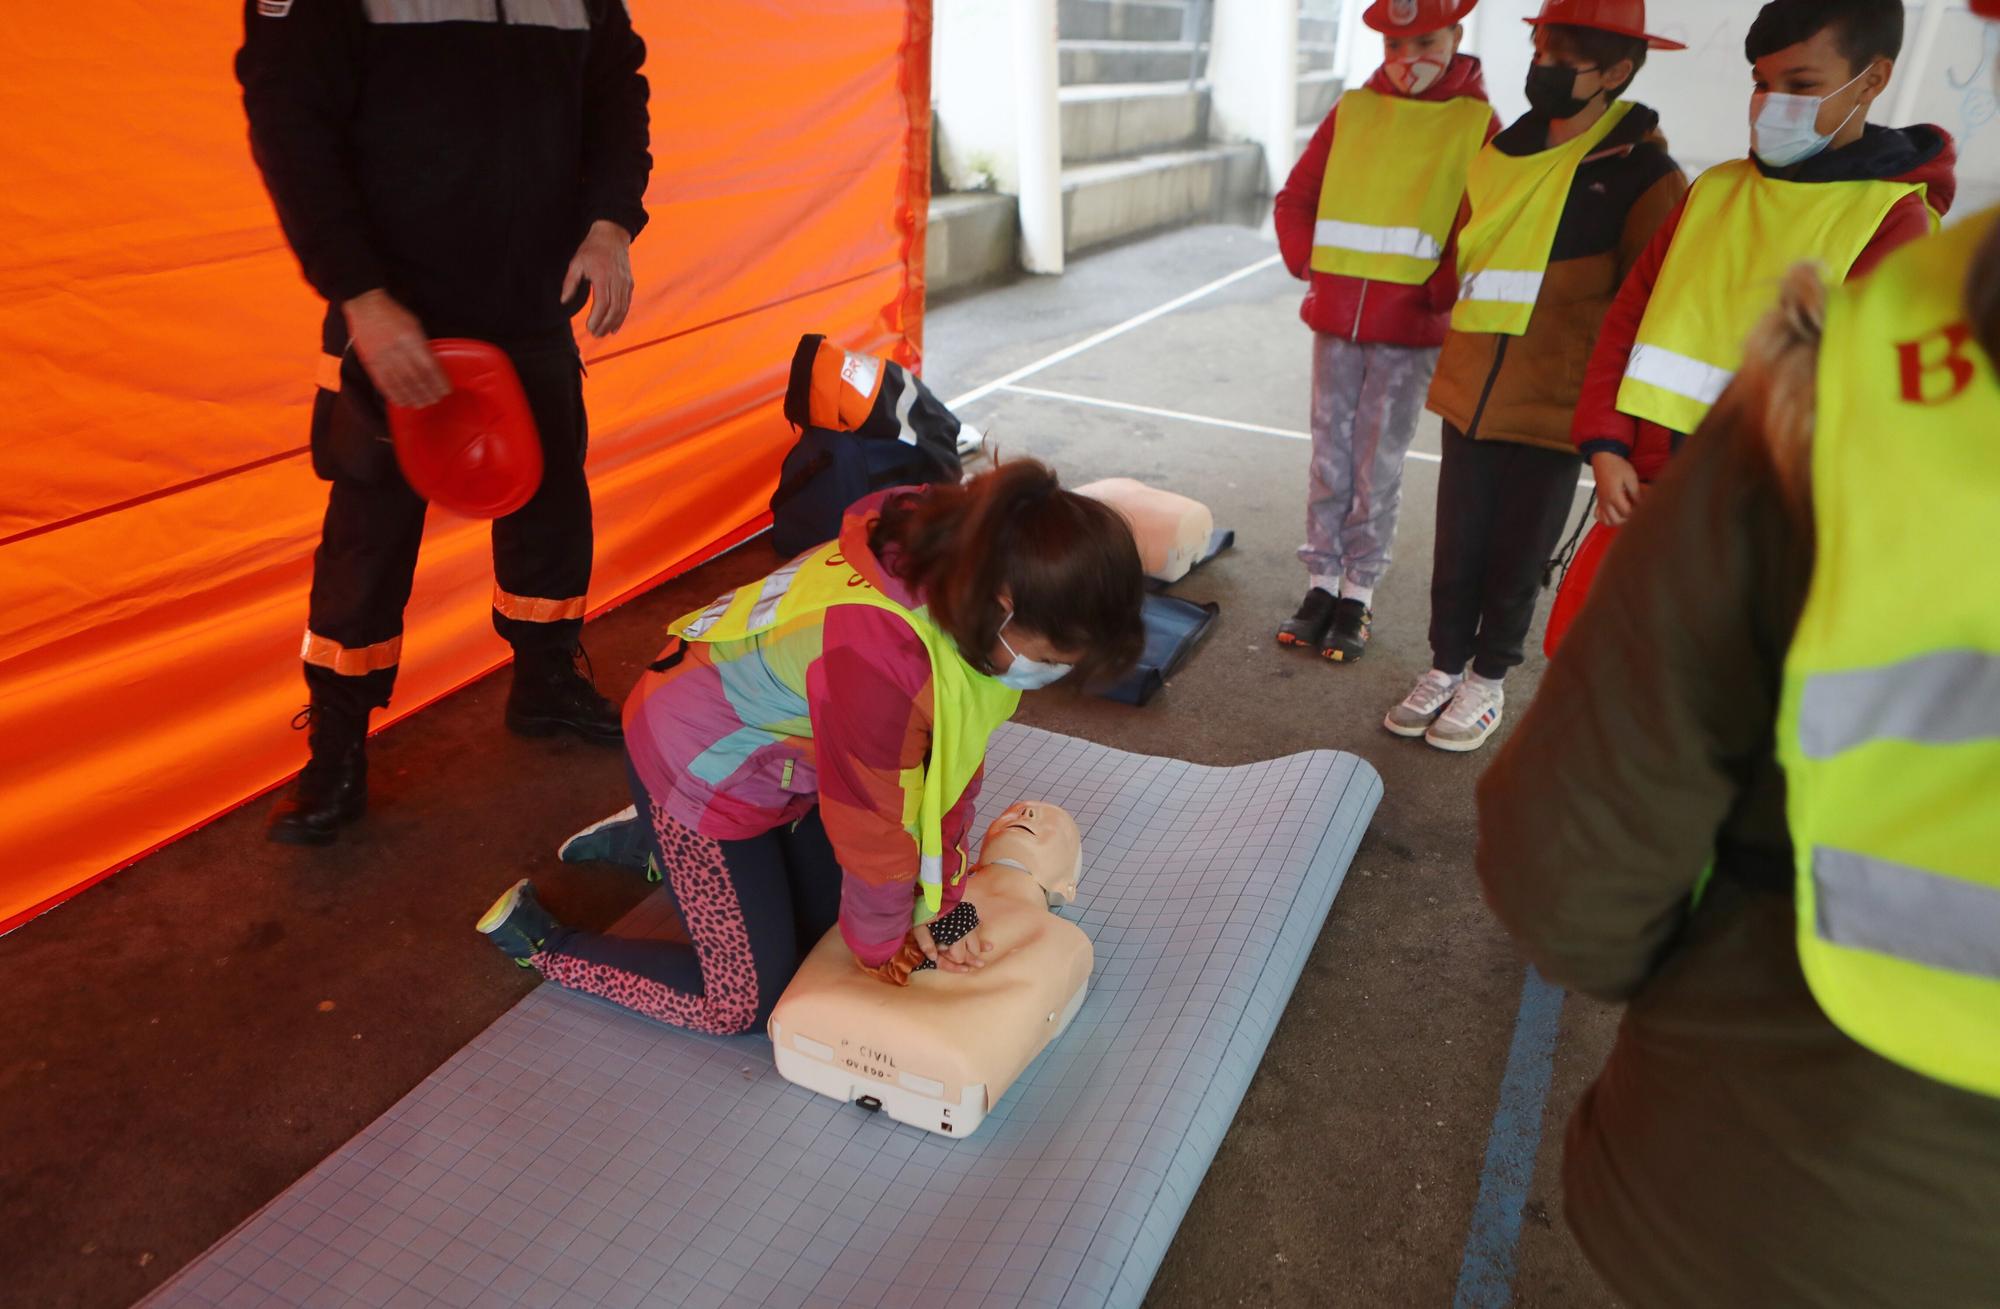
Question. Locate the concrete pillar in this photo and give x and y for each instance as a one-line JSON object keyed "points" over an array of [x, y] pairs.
{"points": [[998, 124], [1038, 116], [1253, 74]]}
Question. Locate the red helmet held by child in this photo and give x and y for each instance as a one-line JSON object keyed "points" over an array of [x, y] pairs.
{"points": [[1416, 17], [1624, 17]]}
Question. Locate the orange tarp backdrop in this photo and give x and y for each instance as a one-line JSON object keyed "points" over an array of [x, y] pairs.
{"points": [[158, 510]]}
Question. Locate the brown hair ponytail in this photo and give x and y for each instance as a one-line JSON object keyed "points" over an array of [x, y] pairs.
{"points": [[1068, 562]]}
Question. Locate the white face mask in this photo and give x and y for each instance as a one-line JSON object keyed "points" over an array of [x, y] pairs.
{"points": [[1414, 76], [1026, 674], [1784, 129]]}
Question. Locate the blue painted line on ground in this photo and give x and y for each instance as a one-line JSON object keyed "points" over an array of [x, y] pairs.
{"points": [[1486, 1273]]}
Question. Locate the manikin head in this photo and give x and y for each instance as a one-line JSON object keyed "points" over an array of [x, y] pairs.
{"points": [[1042, 841]]}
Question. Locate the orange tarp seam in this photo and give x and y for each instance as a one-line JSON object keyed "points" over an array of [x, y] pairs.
{"points": [[158, 353]]}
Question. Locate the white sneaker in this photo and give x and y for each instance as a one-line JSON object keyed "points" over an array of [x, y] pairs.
{"points": [[1423, 704], [1473, 715]]}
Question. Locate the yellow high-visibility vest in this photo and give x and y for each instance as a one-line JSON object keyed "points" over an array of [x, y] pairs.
{"points": [[1889, 724], [1394, 180], [1740, 233], [969, 705], [1517, 204]]}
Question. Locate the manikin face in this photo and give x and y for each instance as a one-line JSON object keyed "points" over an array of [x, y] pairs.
{"points": [[1042, 841]]}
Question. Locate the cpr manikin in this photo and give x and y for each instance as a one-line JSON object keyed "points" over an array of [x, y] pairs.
{"points": [[940, 1052], [1173, 531]]}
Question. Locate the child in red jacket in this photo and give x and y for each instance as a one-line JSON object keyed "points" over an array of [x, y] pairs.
{"points": [[1370, 228], [1821, 184]]}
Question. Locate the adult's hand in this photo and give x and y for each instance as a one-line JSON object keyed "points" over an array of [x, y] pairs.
{"points": [[395, 351], [605, 258], [1618, 488]]}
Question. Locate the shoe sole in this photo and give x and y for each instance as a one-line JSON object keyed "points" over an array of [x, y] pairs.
{"points": [[625, 815], [1465, 747], [316, 837], [1290, 642], [541, 728], [1341, 655], [1407, 733], [502, 909]]}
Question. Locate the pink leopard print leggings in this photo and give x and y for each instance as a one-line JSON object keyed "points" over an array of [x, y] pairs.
{"points": [[750, 908]]}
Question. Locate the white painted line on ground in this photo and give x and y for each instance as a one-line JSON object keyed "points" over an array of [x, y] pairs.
{"points": [[1179, 416], [1109, 333], [1070, 397]]}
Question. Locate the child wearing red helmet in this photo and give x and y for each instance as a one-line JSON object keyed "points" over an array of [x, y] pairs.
{"points": [[1372, 235]]}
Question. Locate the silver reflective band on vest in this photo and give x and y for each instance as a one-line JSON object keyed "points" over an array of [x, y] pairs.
{"points": [[708, 618], [1678, 373], [1938, 699], [569, 15], [1362, 238], [1907, 913], [773, 592], [1505, 287]]}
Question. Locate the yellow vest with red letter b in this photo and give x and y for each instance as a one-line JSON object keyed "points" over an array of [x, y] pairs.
{"points": [[1394, 179], [1740, 233], [1889, 723]]}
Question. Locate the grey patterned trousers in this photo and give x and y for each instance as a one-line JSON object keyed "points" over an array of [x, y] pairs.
{"points": [[1366, 400]]}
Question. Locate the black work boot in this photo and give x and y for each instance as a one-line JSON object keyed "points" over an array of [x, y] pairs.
{"points": [[553, 693], [1347, 640], [1306, 629], [332, 791]]}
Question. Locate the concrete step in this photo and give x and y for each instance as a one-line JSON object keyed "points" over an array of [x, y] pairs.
{"points": [[1119, 120], [1317, 92], [1103, 203], [1090, 63], [1120, 20], [971, 242], [1317, 56], [1318, 30]]}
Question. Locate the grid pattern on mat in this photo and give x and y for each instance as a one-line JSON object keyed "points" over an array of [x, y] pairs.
{"points": [[576, 1154]]}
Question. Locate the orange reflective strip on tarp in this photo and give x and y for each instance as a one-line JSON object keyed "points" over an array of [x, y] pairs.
{"points": [[351, 661], [535, 608], [158, 511]]}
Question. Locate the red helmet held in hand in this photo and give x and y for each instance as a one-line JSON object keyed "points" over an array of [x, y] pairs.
{"points": [[1623, 17], [1416, 17], [477, 451]]}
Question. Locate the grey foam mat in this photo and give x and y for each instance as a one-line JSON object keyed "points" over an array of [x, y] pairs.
{"points": [[576, 1154]]}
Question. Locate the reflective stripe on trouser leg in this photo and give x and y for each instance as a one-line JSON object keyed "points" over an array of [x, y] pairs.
{"points": [[542, 551], [1338, 367], [362, 571], [1908, 913], [1393, 389]]}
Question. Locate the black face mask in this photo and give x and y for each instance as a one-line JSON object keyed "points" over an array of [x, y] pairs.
{"points": [[1552, 90]]}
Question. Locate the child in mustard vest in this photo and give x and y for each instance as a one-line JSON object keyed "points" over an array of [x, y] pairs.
{"points": [[1561, 205], [1821, 183], [1371, 234]]}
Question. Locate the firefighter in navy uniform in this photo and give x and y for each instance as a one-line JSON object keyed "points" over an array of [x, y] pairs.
{"points": [[441, 168]]}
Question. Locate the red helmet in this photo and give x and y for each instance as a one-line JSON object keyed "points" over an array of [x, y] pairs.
{"points": [[1625, 17], [1415, 17], [1986, 8], [477, 451]]}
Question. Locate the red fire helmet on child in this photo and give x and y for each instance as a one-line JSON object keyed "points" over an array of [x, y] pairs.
{"points": [[1624, 17], [477, 451], [1986, 8], [1416, 17]]}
